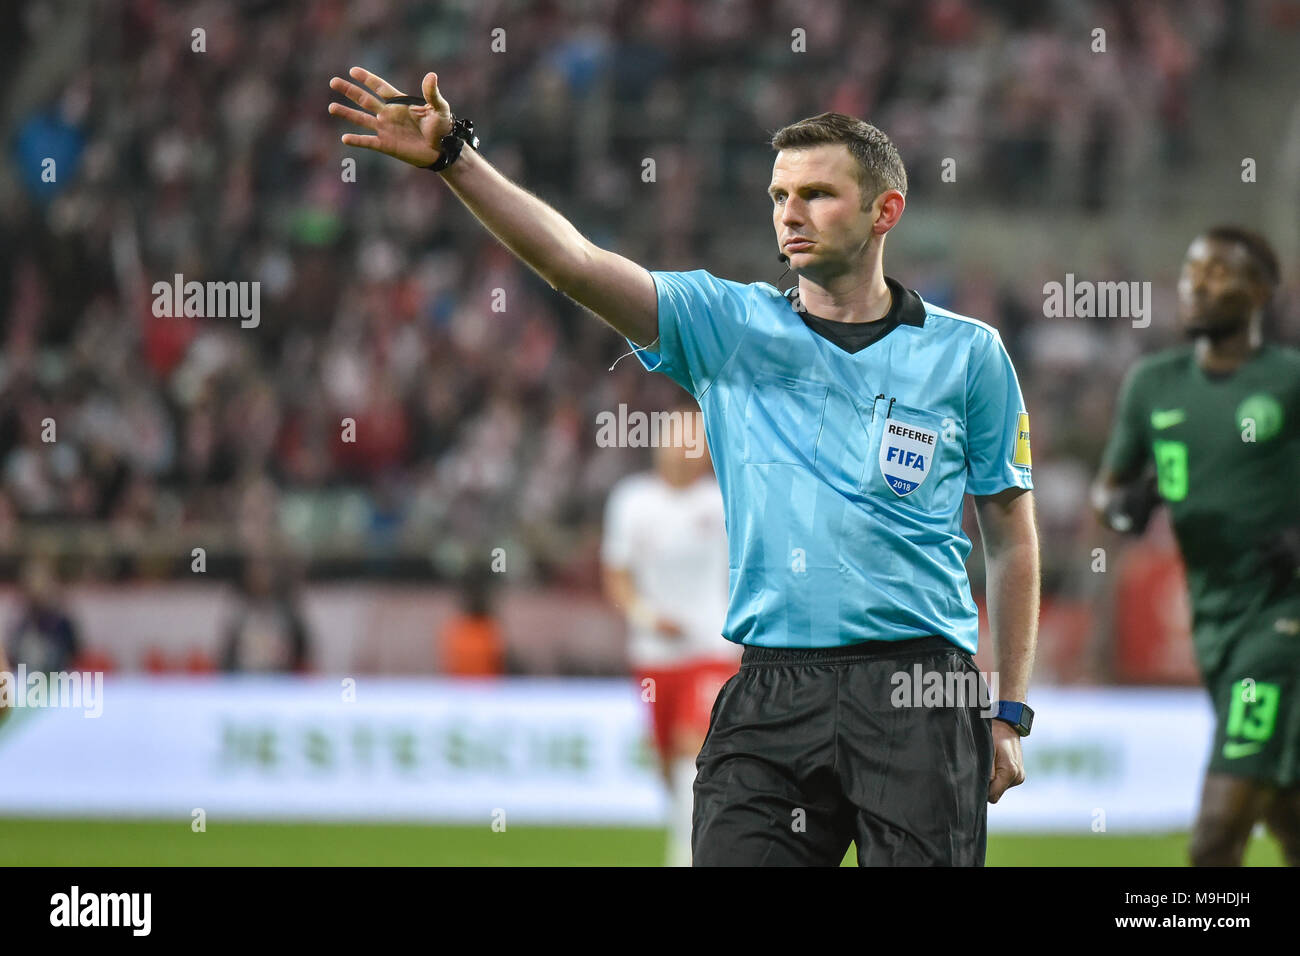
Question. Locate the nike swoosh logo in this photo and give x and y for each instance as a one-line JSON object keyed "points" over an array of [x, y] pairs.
{"points": [[1162, 420], [1231, 751]]}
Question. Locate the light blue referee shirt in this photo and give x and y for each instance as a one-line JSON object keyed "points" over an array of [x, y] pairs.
{"points": [[842, 474]]}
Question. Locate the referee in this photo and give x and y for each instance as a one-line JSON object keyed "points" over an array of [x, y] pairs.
{"points": [[846, 419]]}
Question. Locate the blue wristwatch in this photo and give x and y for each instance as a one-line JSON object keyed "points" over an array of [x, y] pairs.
{"points": [[1017, 714]]}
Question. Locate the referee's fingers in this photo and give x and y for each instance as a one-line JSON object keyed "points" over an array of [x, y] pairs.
{"points": [[362, 97], [365, 142], [1008, 772], [356, 116], [376, 83]]}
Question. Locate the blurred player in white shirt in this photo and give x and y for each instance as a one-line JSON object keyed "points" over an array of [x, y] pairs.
{"points": [[664, 558]]}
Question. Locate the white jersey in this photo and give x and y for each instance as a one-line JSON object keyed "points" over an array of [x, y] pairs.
{"points": [[673, 541]]}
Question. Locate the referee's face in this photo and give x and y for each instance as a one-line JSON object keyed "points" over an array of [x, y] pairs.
{"points": [[817, 210]]}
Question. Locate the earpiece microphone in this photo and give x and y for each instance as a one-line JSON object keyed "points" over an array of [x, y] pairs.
{"points": [[785, 260]]}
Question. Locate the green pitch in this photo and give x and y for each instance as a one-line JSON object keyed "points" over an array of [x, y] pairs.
{"points": [[160, 843]]}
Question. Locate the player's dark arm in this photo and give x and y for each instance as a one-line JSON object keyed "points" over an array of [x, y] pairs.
{"points": [[616, 289], [228, 658], [1124, 494], [71, 641], [1280, 557], [299, 643], [1125, 502]]}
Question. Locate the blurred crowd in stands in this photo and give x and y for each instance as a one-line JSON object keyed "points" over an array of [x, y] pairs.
{"points": [[474, 425]]}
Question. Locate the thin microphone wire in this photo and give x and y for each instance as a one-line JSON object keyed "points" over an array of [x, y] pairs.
{"points": [[782, 257], [639, 348]]}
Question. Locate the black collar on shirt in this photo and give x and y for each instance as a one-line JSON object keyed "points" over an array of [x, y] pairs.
{"points": [[906, 309]]}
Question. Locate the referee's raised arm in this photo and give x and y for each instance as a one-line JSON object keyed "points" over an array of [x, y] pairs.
{"points": [[615, 288]]}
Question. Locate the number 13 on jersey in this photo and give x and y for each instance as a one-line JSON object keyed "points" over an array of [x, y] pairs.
{"points": [[1171, 469]]}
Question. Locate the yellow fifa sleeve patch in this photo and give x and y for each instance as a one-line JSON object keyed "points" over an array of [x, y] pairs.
{"points": [[1021, 457]]}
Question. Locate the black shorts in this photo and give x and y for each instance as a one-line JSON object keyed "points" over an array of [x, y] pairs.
{"points": [[808, 750], [1256, 695]]}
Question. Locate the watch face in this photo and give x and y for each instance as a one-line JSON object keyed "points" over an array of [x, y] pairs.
{"points": [[1017, 714]]}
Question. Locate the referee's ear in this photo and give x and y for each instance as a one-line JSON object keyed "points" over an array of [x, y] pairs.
{"points": [[886, 211]]}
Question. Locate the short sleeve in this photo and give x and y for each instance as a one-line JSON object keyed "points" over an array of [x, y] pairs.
{"points": [[997, 423], [616, 539], [1127, 449], [702, 320]]}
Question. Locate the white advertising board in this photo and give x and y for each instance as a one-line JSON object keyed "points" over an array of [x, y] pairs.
{"points": [[542, 751]]}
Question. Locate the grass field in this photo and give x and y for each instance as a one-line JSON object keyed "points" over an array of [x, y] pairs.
{"points": [[158, 843]]}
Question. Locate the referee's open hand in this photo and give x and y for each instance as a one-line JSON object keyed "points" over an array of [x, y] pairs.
{"points": [[409, 133], [1008, 764]]}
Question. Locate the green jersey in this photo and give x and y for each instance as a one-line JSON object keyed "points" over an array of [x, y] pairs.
{"points": [[1227, 457]]}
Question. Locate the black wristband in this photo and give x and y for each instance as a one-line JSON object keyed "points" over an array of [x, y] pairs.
{"points": [[462, 132]]}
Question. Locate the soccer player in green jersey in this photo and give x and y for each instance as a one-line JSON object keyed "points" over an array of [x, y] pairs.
{"points": [[1212, 430]]}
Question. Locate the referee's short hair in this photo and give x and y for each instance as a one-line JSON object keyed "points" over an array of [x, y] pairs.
{"points": [[1257, 247], [879, 165]]}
